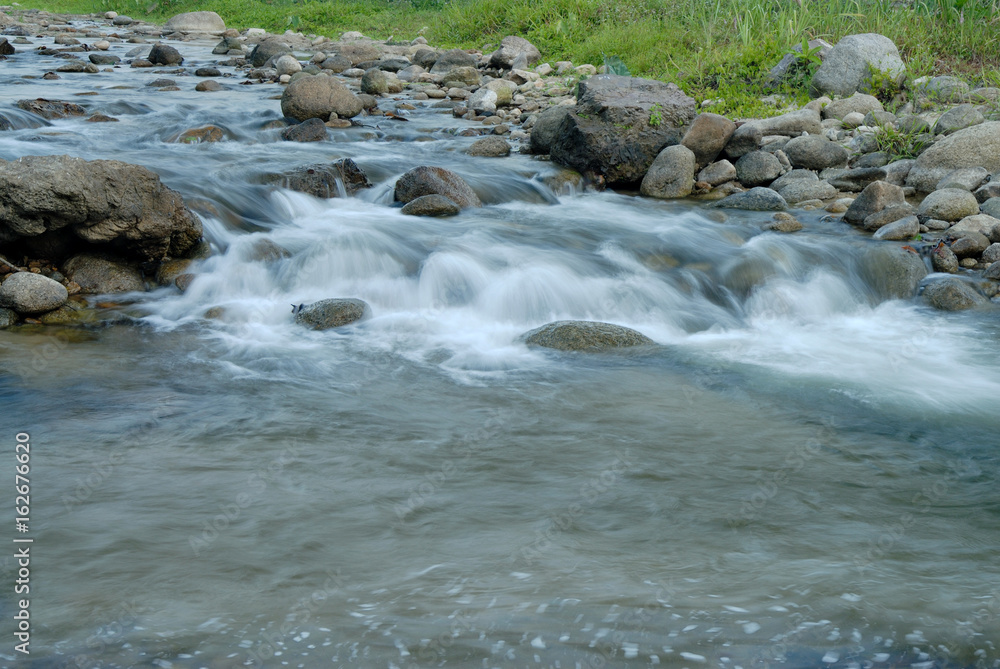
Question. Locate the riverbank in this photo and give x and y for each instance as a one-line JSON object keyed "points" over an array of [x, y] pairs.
{"points": [[720, 50]]}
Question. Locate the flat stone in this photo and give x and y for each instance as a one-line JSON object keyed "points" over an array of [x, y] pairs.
{"points": [[587, 336]]}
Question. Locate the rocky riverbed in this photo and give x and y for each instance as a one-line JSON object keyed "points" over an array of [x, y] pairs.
{"points": [[105, 227]]}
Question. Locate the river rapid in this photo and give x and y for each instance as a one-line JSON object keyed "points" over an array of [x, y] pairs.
{"points": [[801, 474]]}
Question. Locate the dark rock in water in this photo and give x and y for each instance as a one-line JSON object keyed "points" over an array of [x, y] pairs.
{"points": [[162, 54], [619, 126], [585, 336], [952, 294], [8, 317], [546, 128], [104, 59], [266, 50], [6, 48], [71, 202], [207, 72], [101, 118], [310, 130], [169, 270], [892, 272], [755, 199], [492, 147], [333, 313], [431, 205], [944, 260], [426, 180], [208, 86], [318, 97], [184, 281], [99, 274], [161, 83], [122, 20], [207, 133], [264, 250], [51, 109], [28, 293], [324, 181]]}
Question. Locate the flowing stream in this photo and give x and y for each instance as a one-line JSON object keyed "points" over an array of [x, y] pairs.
{"points": [[802, 474]]}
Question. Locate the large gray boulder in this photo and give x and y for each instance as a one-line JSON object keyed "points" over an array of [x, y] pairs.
{"points": [[208, 23], [28, 293], [60, 205], [671, 175], [849, 66], [584, 336], [977, 146], [425, 180], [950, 293], [949, 204], [318, 97], [707, 136], [513, 48], [877, 196], [619, 126], [815, 152], [332, 313]]}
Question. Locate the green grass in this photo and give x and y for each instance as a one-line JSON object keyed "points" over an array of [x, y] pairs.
{"points": [[714, 49]]}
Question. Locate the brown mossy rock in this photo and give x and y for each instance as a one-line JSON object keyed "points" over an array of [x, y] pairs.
{"points": [[588, 336], [69, 203]]}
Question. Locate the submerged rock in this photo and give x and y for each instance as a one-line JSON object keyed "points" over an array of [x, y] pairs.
{"points": [[892, 272], [431, 205], [584, 336], [51, 109], [343, 177], [332, 313], [28, 293]]}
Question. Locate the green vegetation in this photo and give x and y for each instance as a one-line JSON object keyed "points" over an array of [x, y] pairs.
{"points": [[714, 49], [900, 144]]}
